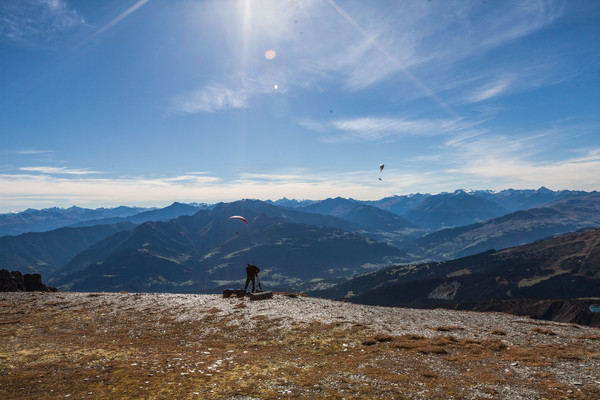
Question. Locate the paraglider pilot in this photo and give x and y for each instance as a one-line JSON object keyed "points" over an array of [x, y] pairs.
{"points": [[251, 274]]}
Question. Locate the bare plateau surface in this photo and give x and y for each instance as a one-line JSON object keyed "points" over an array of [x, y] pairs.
{"points": [[174, 346]]}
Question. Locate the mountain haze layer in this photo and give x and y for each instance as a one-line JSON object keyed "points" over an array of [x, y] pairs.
{"points": [[47, 219]]}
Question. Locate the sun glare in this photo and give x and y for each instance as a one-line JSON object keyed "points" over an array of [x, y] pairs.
{"points": [[270, 54]]}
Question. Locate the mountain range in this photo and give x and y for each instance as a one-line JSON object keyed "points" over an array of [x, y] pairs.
{"points": [[300, 245], [32, 220], [206, 250], [162, 214], [453, 209], [565, 215], [44, 252], [565, 266]]}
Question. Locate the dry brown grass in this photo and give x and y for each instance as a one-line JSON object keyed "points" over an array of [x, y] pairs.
{"points": [[543, 331], [448, 328], [590, 337], [50, 352]]}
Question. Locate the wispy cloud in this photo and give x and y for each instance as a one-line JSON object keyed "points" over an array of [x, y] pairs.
{"points": [[490, 90], [235, 94], [525, 159], [193, 178], [33, 21], [576, 173], [495, 83], [355, 46], [431, 35], [59, 170], [119, 18], [376, 128], [26, 151], [213, 98], [587, 155]]}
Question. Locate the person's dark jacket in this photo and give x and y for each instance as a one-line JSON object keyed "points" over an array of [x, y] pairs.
{"points": [[252, 270]]}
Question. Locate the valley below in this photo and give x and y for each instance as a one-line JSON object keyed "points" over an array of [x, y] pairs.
{"points": [[185, 346]]}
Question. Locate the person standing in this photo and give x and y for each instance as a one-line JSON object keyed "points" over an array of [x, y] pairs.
{"points": [[251, 274]]}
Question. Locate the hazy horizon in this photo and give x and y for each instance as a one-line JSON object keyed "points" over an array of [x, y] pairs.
{"points": [[158, 204]]}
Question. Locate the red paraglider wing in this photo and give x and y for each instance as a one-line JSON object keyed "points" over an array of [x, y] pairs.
{"points": [[238, 217]]}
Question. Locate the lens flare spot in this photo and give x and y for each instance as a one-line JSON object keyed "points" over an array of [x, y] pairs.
{"points": [[275, 87], [270, 54]]}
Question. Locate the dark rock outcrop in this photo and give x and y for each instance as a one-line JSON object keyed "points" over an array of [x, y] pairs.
{"points": [[17, 282]]}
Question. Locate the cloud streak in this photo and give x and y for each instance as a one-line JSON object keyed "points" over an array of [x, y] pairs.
{"points": [[490, 90], [357, 47], [236, 94], [522, 161], [36, 21], [376, 128], [119, 18], [576, 173], [496, 83], [59, 170], [26, 151]]}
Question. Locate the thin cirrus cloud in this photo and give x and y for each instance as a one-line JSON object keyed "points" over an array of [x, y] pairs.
{"points": [[213, 98], [520, 161], [575, 173], [490, 90], [34, 21], [58, 170], [353, 60], [375, 128], [235, 94], [587, 155], [26, 152], [494, 84], [121, 16], [357, 47], [407, 37]]}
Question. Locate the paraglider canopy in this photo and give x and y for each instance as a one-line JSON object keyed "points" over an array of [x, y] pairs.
{"points": [[381, 167], [238, 217]]}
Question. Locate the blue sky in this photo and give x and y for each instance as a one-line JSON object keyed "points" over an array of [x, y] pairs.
{"points": [[146, 102]]}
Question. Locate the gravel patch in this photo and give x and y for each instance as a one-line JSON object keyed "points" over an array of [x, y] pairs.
{"points": [[578, 374], [299, 309]]}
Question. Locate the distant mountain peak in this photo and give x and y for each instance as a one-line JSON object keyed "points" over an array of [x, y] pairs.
{"points": [[462, 192]]}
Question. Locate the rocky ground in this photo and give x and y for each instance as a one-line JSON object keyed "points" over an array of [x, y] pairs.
{"points": [[171, 346]]}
